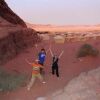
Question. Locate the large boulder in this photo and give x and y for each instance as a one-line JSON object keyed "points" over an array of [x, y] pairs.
{"points": [[14, 34], [15, 42]]}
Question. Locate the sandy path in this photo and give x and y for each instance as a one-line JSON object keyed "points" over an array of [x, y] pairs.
{"points": [[70, 67]]}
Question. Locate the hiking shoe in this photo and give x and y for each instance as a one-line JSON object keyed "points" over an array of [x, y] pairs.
{"points": [[28, 89], [43, 82]]}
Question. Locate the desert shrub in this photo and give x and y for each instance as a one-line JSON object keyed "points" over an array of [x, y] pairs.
{"points": [[87, 50], [10, 82]]}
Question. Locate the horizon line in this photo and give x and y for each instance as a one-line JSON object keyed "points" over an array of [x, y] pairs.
{"points": [[62, 25]]}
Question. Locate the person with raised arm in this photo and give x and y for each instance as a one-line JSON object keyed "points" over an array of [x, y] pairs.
{"points": [[55, 59], [35, 73]]}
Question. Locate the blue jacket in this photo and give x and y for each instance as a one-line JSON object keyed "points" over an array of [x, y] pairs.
{"points": [[42, 57]]}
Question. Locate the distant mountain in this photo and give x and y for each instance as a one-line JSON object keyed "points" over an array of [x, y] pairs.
{"points": [[38, 25], [64, 28]]}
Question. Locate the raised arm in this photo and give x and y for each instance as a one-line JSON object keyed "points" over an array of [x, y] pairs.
{"points": [[51, 52], [36, 46], [61, 54], [48, 49], [28, 61]]}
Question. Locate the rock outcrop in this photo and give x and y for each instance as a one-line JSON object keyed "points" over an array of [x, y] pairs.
{"points": [[9, 15], [84, 87], [14, 34]]}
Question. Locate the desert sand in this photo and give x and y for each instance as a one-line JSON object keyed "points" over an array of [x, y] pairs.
{"points": [[69, 66]]}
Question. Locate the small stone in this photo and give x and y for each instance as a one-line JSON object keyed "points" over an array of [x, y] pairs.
{"points": [[41, 98], [1, 90]]}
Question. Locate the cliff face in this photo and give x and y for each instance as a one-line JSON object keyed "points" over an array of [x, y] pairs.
{"points": [[14, 34], [9, 15]]}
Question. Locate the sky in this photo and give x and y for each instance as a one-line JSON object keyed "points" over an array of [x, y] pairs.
{"points": [[57, 12]]}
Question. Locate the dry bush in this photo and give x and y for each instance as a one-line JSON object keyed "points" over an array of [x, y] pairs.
{"points": [[10, 82], [87, 50]]}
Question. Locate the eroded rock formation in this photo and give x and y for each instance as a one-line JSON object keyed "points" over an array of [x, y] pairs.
{"points": [[14, 34]]}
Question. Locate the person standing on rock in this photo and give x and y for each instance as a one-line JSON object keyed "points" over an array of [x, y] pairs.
{"points": [[35, 73], [55, 60]]}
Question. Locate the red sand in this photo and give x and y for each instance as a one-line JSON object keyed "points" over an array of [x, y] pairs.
{"points": [[69, 67]]}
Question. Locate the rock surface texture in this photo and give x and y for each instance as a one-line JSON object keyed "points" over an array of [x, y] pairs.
{"points": [[14, 34], [84, 87]]}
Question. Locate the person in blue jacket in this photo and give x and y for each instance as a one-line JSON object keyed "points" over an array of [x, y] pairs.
{"points": [[41, 58]]}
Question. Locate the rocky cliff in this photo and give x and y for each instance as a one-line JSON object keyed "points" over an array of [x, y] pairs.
{"points": [[9, 15], [14, 34]]}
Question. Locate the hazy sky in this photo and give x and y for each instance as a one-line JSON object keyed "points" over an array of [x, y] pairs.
{"points": [[59, 12]]}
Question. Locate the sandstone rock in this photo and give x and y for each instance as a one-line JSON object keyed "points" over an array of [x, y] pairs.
{"points": [[9, 15], [15, 42], [58, 92], [59, 39], [83, 87], [14, 34]]}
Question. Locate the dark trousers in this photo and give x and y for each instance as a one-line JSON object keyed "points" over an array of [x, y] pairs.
{"points": [[55, 69], [41, 69]]}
